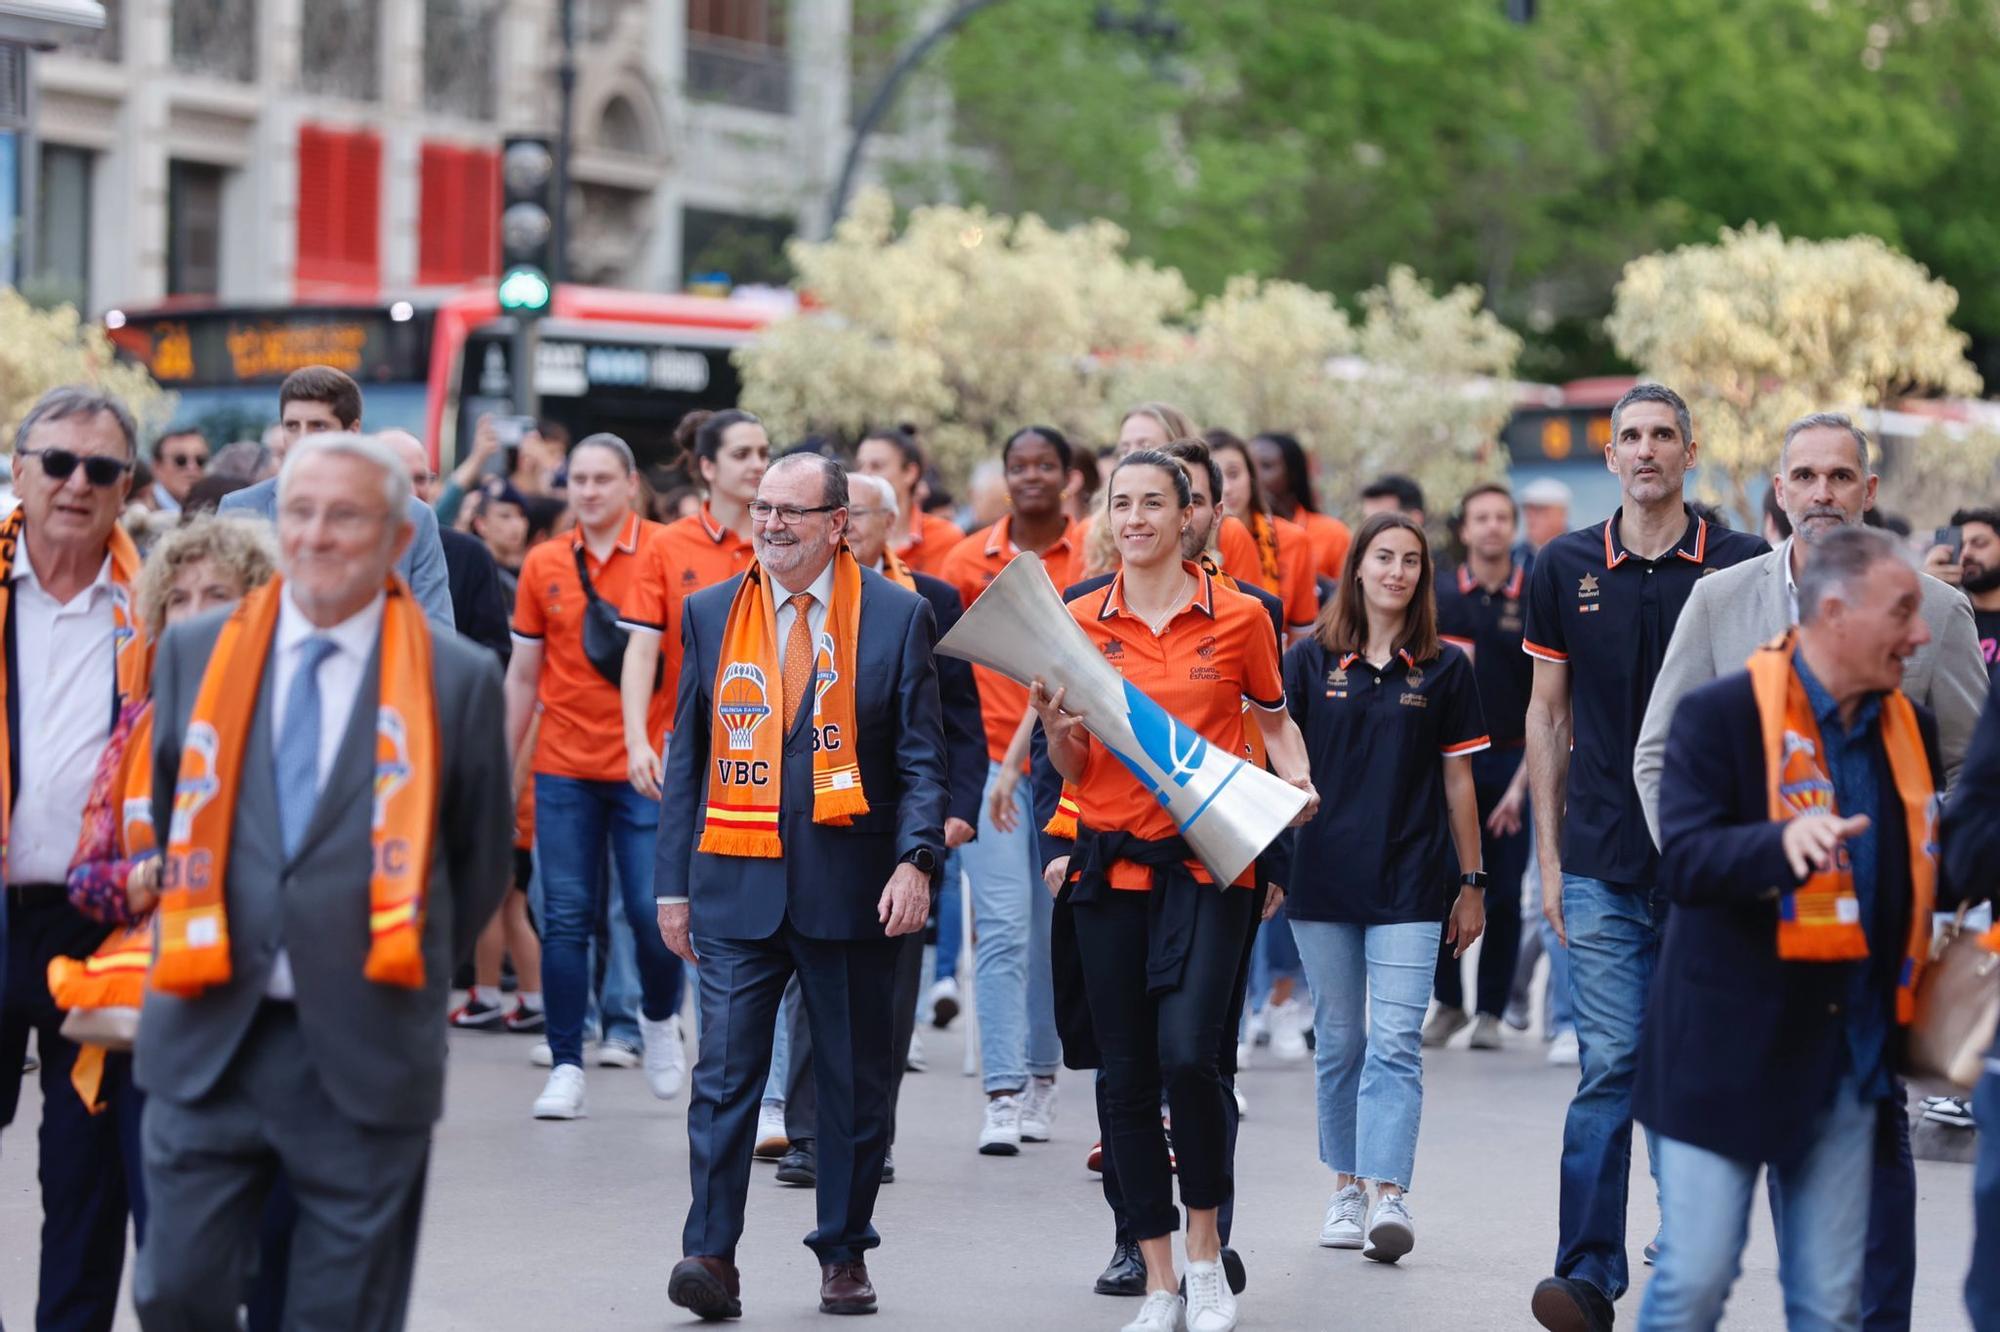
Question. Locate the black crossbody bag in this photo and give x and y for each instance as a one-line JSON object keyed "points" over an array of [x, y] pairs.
{"points": [[604, 638]]}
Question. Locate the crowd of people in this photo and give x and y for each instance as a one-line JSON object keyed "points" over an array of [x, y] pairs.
{"points": [[313, 753]]}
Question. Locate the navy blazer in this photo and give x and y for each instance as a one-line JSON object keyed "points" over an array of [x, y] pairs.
{"points": [[1741, 1050], [830, 879], [958, 692]]}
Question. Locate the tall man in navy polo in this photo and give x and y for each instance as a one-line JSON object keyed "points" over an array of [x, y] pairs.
{"points": [[1602, 603]]}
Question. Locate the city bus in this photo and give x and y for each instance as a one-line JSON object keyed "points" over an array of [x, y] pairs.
{"points": [[632, 363]]}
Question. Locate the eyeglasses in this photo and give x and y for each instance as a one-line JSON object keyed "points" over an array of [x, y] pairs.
{"points": [[786, 514], [194, 460], [100, 471]]}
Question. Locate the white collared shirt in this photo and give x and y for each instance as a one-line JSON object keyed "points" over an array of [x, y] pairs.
{"points": [[340, 677], [66, 683], [163, 499], [1791, 581], [821, 592]]}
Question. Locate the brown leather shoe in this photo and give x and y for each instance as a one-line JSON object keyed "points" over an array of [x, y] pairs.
{"points": [[844, 1288], [706, 1287]]}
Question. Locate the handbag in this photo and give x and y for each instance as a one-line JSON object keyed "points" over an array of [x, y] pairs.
{"points": [[1958, 1011], [604, 638], [115, 1029]]}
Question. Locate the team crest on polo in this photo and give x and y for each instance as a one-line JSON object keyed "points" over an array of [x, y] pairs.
{"points": [[392, 761], [1336, 683], [1587, 590], [743, 703], [1415, 679], [198, 783]]}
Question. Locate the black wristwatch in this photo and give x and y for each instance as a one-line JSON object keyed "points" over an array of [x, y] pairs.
{"points": [[923, 858], [1473, 879]]}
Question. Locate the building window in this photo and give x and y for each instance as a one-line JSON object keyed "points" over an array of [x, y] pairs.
{"points": [[194, 229], [736, 54], [736, 249], [216, 37], [340, 211], [63, 235], [340, 48], [458, 225], [461, 46]]}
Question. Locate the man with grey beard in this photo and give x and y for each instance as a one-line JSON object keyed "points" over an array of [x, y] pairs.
{"points": [[1823, 483]]}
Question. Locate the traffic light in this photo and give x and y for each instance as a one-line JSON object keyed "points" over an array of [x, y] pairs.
{"points": [[527, 226]]}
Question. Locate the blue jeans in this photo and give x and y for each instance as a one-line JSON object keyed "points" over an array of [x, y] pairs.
{"points": [[611, 1009], [950, 918], [1370, 1069], [1614, 940], [1819, 1209], [1014, 986], [1982, 1283], [580, 827]]}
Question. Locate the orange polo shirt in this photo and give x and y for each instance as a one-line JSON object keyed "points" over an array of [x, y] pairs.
{"points": [[977, 561], [1295, 585], [1330, 539], [927, 542], [583, 729], [1216, 654], [693, 553]]}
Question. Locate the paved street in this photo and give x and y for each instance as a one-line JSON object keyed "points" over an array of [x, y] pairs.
{"points": [[572, 1227]]}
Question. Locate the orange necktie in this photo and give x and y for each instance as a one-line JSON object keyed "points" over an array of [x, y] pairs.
{"points": [[798, 658]]}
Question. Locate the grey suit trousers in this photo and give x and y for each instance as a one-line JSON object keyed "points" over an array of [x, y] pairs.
{"points": [[360, 1194]]}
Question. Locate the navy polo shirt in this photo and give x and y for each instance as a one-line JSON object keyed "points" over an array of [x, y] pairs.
{"points": [[1379, 847], [1487, 624], [1607, 614]]}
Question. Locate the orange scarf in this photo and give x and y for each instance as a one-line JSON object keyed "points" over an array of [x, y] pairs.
{"points": [[1820, 921], [896, 571], [1266, 532], [128, 643], [194, 929], [748, 753]]}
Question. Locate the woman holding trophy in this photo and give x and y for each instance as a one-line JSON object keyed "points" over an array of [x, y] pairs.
{"points": [[1159, 942]]}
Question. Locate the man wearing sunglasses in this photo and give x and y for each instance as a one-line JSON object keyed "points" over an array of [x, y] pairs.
{"points": [[180, 457], [71, 657]]}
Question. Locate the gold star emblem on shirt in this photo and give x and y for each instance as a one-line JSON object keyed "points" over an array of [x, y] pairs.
{"points": [[1587, 586]]}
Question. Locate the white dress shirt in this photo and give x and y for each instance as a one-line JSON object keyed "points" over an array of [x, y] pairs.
{"points": [[340, 677], [1791, 581], [66, 683], [821, 592], [163, 499]]}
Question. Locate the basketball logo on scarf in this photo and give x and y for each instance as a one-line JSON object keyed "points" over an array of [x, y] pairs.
{"points": [[392, 774], [826, 735], [193, 789], [743, 704]]}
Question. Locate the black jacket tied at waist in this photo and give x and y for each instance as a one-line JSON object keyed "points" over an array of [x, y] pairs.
{"points": [[1170, 914]]}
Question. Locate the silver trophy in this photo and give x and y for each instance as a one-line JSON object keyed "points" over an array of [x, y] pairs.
{"points": [[1227, 808]]}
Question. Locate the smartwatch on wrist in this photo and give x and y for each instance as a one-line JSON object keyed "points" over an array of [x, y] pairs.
{"points": [[923, 858], [1473, 879]]}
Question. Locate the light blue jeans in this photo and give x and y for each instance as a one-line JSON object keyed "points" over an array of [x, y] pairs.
{"points": [[1013, 985], [1819, 1209], [1370, 987]]}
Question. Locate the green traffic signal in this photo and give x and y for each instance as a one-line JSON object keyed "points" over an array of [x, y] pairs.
{"points": [[525, 289]]}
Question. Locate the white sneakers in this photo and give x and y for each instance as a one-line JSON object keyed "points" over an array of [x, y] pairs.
{"points": [[665, 1056], [944, 1002], [1391, 1231], [562, 1095], [1564, 1051], [772, 1140], [1000, 1135], [1161, 1313], [1289, 1021], [1342, 1227], [1038, 1109], [617, 1054], [539, 1056], [1485, 1033], [1211, 1305]]}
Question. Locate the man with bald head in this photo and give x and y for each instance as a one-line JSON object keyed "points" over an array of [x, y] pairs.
{"points": [[479, 604]]}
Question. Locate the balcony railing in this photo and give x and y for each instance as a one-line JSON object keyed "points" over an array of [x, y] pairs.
{"points": [[746, 74]]}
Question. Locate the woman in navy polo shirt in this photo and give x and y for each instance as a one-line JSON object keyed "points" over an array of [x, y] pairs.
{"points": [[1391, 717]]}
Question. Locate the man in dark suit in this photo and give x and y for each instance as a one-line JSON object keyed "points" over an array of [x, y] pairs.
{"points": [[1972, 874], [831, 906], [289, 1055], [871, 516], [481, 610], [1775, 1013]]}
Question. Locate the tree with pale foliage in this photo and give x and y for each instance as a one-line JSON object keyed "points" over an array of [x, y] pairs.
{"points": [[1940, 471], [1759, 329], [1419, 386], [44, 349], [968, 323]]}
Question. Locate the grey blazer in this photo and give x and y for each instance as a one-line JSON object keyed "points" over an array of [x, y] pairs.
{"points": [[378, 1049], [422, 565], [1734, 612]]}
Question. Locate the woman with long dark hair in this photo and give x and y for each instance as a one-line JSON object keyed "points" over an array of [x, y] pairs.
{"points": [[1160, 944], [1391, 719], [1284, 556], [1286, 479]]}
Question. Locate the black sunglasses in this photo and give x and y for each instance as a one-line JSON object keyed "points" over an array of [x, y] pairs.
{"points": [[99, 470], [185, 459]]}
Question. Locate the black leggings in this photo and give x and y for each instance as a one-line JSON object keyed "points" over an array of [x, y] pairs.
{"points": [[1173, 1041]]}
